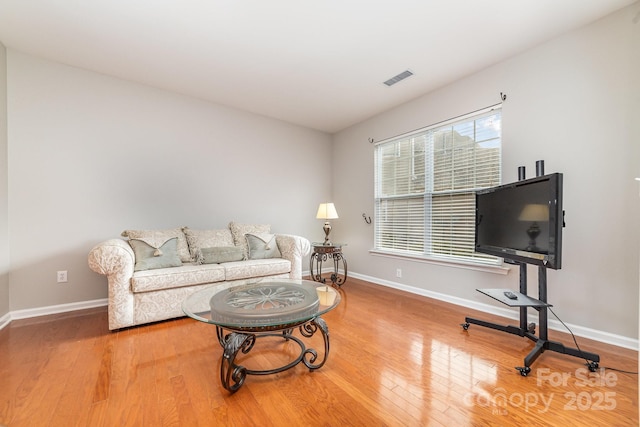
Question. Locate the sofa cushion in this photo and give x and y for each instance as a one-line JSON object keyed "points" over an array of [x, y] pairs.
{"points": [[198, 239], [151, 257], [255, 268], [239, 230], [262, 246], [174, 277], [220, 254], [154, 236]]}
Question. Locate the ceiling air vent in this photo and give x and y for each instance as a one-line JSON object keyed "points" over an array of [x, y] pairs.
{"points": [[403, 75]]}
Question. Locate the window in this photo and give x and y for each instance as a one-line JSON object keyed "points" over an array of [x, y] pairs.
{"points": [[425, 184]]}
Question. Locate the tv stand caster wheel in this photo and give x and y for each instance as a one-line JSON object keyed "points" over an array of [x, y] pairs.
{"points": [[531, 328], [465, 326], [524, 370], [593, 366]]}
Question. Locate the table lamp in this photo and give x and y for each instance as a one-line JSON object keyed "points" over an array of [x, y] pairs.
{"points": [[327, 211]]}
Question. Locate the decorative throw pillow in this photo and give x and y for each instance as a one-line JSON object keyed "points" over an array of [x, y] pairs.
{"points": [[218, 254], [199, 239], [158, 237], [150, 257], [262, 246], [239, 230]]}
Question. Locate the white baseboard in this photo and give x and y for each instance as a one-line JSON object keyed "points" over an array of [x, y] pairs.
{"points": [[52, 309], [5, 320], [579, 331]]}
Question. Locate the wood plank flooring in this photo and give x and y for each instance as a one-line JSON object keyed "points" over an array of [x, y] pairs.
{"points": [[396, 359]]}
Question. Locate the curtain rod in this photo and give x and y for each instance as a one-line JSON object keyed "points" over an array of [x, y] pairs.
{"points": [[503, 97]]}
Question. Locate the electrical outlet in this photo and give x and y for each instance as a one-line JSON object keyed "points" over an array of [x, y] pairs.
{"points": [[398, 272], [62, 276]]}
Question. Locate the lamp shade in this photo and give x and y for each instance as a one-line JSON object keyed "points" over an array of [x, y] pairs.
{"points": [[534, 212], [326, 211]]}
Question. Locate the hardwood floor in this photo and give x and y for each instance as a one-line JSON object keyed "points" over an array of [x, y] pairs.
{"points": [[396, 359]]}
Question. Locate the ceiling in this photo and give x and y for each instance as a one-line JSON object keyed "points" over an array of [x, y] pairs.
{"points": [[318, 64]]}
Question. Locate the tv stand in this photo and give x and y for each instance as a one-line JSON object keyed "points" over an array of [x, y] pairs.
{"points": [[528, 330]]}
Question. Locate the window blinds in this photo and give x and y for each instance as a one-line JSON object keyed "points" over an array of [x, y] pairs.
{"points": [[425, 185]]}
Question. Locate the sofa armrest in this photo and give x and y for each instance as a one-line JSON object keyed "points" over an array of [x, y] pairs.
{"points": [[115, 259], [293, 248], [113, 256]]}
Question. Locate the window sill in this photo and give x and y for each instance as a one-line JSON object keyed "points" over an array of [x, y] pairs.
{"points": [[487, 268]]}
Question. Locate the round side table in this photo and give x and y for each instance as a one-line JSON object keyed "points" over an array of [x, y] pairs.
{"points": [[323, 253]]}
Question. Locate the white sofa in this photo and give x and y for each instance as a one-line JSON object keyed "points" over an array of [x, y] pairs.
{"points": [[151, 272]]}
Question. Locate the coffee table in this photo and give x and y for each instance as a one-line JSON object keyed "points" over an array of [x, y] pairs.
{"points": [[266, 308]]}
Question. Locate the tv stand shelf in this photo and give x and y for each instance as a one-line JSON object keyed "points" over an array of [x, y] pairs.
{"points": [[522, 301]]}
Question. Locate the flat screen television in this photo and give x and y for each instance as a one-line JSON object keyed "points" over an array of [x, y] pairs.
{"points": [[522, 221]]}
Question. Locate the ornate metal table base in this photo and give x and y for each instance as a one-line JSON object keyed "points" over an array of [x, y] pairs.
{"points": [[323, 253], [233, 375]]}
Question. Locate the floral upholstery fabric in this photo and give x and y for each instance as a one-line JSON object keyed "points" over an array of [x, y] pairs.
{"points": [[256, 268], [175, 277], [152, 295], [293, 248], [167, 304], [115, 259]]}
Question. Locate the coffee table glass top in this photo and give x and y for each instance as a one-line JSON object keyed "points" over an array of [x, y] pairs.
{"points": [[263, 305]]}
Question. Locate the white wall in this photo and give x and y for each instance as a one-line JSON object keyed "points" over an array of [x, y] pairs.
{"points": [[91, 155], [4, 225], [571, 102]]}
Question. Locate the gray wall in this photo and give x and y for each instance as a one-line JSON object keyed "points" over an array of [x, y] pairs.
{"points": [[4, 222], [572, 102], [92, 155]]}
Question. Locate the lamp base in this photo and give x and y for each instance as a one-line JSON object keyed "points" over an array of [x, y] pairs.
{"points": [[327, 230]]}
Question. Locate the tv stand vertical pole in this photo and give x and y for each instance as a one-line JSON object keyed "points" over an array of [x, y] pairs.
{"points": [[542, 296], [523, 291]]}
